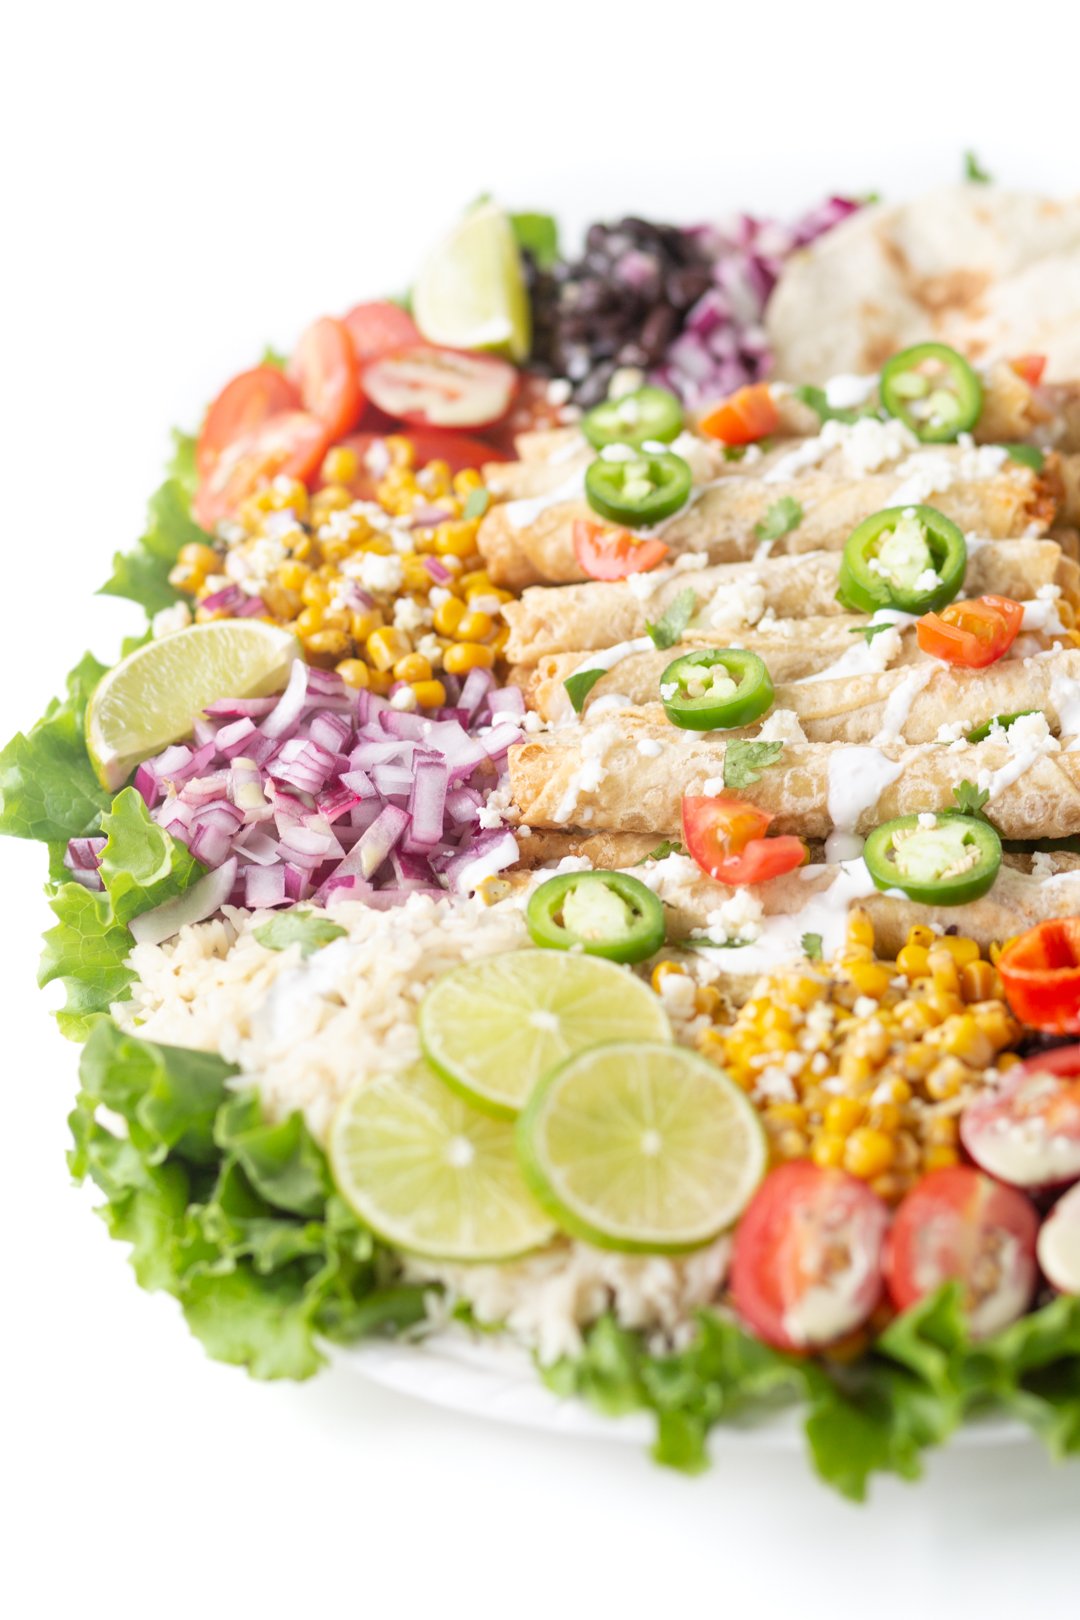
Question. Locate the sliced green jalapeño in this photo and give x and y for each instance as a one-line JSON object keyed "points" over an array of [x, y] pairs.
{"points": [[716, 689], [939, 860], [912, 558], [608, 914], [638, 489], [933, 391], [647, 416]]}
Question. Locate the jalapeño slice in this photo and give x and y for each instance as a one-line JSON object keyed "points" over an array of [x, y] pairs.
{"points": [[946, 860], [608, 914], [933, 391], [638, 489], [912, 558], [716, 689], [648, 415]]}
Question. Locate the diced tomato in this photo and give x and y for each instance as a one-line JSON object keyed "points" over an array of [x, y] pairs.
{"points": [[1027, 1131], [290, 445], [445, 388], [806, 1268], [973, 633], [458, 450], [958, 1225], [1059, 1244], [324, 369], [1041, 974], [380, 327], [746, 416], [1030, 367], [604, 553], [726, 837], [243, 405]]}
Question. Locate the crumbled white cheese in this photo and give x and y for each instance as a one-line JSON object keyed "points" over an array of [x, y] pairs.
{"points": [[678, 993], [734, 605], [712, 785], [668, 690], [953, 731], [782, 725], [408, 614], [649, 747], [1042, 864], [167, 621], [925, 474], [404, 698], [737, 918], [927, 819], [377, 573], [848, 391], [928, 580]]}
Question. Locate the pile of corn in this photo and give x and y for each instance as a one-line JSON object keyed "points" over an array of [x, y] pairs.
{"points": [[312, 558], [866, 1064]]}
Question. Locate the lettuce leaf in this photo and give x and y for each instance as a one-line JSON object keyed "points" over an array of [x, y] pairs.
{"points": [[233, 1214], [48, 790], [142, 574]]}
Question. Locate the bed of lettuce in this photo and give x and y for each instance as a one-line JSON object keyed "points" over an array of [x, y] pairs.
{"points": [[238, 1219]]}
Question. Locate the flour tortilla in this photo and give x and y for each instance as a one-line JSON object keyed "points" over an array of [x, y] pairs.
{"points": [[994, 272]]}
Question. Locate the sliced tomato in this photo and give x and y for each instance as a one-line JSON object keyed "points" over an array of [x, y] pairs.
{"points": [[323, 367], [458, 450], [290, 445], [242, 406], [958, 1225], [431, 387], [379, 327], [1027, 1132], [1030, 367], [726, 837], [1041, 974], [1059, 1244], [806, 1268], [605, 553], [532, 412], [746, 416], [973, 633]]}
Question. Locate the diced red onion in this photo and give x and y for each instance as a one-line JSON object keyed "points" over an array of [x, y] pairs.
{"points": [[202, 900], [264, 886], [491, 852], [478, 683], [289, 707]]}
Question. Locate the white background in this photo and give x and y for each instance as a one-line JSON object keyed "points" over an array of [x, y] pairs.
{"points": [[182, 184]]}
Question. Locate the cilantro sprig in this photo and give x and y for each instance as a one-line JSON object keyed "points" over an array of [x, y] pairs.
{"points": [[670, 626], [745, 761]]}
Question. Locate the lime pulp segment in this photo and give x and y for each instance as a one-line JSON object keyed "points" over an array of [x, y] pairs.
{"points": [[471, 293]]}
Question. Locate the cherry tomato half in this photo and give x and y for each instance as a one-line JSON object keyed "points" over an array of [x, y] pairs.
{"points": [[1027, 1132], [604, 553], [972, 633], [379, 327], [323, 367], [748, 415], [806, 1267], [432, 387], [1041, 974], [242, 406], [290, 445], [958, 1225], [726, 837]]}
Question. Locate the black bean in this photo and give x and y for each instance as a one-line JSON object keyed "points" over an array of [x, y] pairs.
{"points": [[657, 331]]}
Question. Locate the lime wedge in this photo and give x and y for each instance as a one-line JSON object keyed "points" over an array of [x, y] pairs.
{"points": [[641, 1147], [493, 1028], [471, 292], [152, 697], [430, 1174]]}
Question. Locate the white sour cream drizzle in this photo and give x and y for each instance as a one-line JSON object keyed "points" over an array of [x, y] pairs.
{"points": [[899, 701], [1065, 697], [867, 655], [825, 913], [608, 657], [857, 779]]}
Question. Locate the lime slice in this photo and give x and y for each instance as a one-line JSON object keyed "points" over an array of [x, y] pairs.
{"points": [[152, 697], [430, 1174], [493, 1028], [641, 1147], [471, 292]]}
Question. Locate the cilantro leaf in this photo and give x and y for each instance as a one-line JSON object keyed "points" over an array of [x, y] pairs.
{"points": [[981, 733], [537, 235], [476, 503], [142, 574], [818, 401], [870, 630], [1026, 455], [783, 516], [662, 851], [48, 790], [970, 799], [674, 620], [579, 685], [974, 172], [301, 928], [745, 761], [811, 947]]}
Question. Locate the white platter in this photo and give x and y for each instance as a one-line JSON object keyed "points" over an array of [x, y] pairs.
{"points": [[495, 1379]]}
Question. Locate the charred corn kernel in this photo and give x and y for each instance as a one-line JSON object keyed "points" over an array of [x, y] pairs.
{"points": [[868, 1153], [399, 449], [908, 1152], [1008, 1060], [828, 1150], [282, 605], [354, 672], [455, 539], [869, 978], [979, 981], [309, 622], [855, 1069], [205, 615], [946, 1079], [429, 694], [662, 971], [386, 646], [842, 1115], [860, 929], [333, 498], [365, 623], [996, 1021], [474, 627], [340, 465], [941, 1128], [706, 999], [467, 480], [380, 681], [944, 1003], [943, 969], [327, 646], [885, 1117], [961, 950], [448, 615], [940, 1157], [412, 668], [466, 655], [293, 575], [499, 640], [302, 546], [335, 619], [792, 1144], [476, 583], [785, 1113], [287, 495], [912, 961], [891, 1186], [415, 575], [201, 559], [315, 592], [434, 476], [921, 935], [961, 1037]]}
